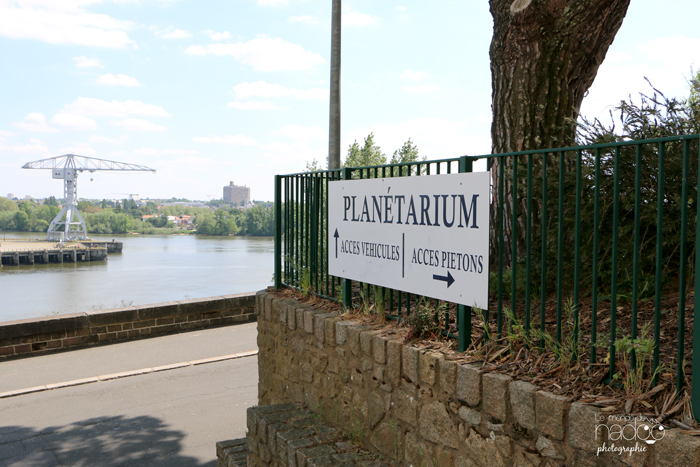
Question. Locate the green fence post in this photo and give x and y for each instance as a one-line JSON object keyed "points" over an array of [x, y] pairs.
{"points": [[695, 389], [464, 313], [347, 283], [278, 232]]}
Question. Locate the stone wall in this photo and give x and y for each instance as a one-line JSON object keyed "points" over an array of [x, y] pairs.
{"points": [[61, 332], [423, 408]]}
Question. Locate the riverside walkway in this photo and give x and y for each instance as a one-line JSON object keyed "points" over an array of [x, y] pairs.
{"points": [[151, 402]]}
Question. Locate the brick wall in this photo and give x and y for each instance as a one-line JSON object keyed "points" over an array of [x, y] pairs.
{"points": [[425, 409], [60, 332]]}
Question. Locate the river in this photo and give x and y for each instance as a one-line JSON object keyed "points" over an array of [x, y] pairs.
{"points": [[151, 269]]}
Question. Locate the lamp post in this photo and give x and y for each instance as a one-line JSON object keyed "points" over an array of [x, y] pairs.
{"points": [[334, 124]]}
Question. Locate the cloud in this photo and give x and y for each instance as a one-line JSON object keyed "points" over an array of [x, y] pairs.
{"points": [[217, 36], [269, 90], [354, 18], [273, 3], [36, 121], [164, 152], [421, 89], [91, 107], [264, 54], [255, 105], [106, 140], [237, 140], [64, 22], [136, 124], [119, 80], [306, 19], [73, 122], [400, 8], [666, 62], [409, 75], [84, 62], [301, 133], [28, 150], [172, 33]]}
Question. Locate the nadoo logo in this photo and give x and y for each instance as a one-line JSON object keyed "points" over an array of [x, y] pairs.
{"points": [[628, 428]]}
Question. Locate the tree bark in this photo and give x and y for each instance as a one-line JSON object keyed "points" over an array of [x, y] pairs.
{"points": [[545, 55]]}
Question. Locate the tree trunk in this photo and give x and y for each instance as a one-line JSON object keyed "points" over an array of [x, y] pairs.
{"points": [[545, 55]]}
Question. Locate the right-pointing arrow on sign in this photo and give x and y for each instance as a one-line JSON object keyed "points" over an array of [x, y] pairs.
{"points": [[448, 278]]}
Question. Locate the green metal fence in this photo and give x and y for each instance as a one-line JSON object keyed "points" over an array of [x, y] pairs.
{"points": [[600, 237]]}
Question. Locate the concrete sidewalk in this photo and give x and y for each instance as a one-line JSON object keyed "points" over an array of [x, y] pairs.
{"points": [[174, 416]]}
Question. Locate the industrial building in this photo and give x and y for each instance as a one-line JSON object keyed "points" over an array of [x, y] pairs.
{"points": [[237, 195]]}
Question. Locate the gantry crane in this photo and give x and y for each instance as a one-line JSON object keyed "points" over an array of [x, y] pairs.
{"points": [[67, 167]]}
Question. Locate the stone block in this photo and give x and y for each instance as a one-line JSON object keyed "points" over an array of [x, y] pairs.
{"points": [[404, 406], [299, 311], [379, 348], [436, 425], [550, 414], [309, 321], [494, 451], [393, 361], [547, 448], [428, 367], [469, 415], [583, 420], [495, 394], [284, 437], [267, 310], [292, 317], [448, 377], [387, 439], [293, 446], [676, 449], [329, 329], [366, 338], [303, 455], [409, 363], [416, 452], [376, 409], [341, 331], [353, 339], [469, 384], [522, 403]]}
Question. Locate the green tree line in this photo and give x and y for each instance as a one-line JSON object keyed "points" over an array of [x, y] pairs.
{"points": [[107, 217]]}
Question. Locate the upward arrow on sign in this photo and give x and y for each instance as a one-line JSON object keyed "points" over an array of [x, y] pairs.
{"points": [[336, 242]]}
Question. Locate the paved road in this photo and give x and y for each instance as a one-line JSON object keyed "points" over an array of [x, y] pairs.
{"points": [[172, 417]]}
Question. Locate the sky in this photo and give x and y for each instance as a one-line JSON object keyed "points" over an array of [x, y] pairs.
{"points": [[209, 92]]}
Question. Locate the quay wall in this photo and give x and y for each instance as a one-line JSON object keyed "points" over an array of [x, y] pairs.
{"points": [[38, 336], [423, 408]]}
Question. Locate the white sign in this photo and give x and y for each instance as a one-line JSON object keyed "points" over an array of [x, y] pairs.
{"points": [[427, 235]]}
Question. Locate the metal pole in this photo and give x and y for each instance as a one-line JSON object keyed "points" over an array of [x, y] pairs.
{"points": [[334, 124]]}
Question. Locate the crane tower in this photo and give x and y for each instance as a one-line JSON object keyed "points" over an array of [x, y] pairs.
{"points": [[65, 226]]}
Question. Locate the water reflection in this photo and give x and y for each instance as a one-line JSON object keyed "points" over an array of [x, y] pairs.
{"points": [[151, 269]]}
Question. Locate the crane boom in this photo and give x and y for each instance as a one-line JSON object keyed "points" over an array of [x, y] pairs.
{"points": [[82, 163], [67, 167]]}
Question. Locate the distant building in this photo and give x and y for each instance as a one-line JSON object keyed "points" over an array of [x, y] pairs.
{"points": [[237, 194], [11, 196]]}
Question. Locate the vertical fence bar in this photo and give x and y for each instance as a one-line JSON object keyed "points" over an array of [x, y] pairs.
{"points": [[528, 246], [695, 390], [596, 240], [299, 228], [684, 267], [543, 259], [464, 313], [347, 284], [613, 272], [278, 232], [514, 246], [635, 258], [577, 251], [560, 244], [659, 260], [501, 246]]}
